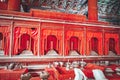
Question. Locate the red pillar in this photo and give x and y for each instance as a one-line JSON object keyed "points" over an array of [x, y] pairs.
{"points": [[92, 10], [14, 5]]}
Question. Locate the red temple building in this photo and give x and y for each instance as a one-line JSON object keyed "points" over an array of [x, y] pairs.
{"points": [[43, 36]]}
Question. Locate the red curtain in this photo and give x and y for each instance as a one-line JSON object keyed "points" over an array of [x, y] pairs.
{"points": [[21, 36], [16, 36], [5, 30]]}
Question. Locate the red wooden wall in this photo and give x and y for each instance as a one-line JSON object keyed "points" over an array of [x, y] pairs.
{"points": [[40, 37]]}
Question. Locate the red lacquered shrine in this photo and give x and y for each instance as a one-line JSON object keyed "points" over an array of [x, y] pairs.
{"points": [[55, 36]]}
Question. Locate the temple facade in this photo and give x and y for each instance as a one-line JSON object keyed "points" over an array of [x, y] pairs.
{"points": [[44, 32], [59, 40]]}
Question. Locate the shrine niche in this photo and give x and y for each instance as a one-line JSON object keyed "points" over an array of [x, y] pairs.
{"points": [[25, 40], [94, 46], [52, 42], [51, 45], [111, 44], [4, 40], [26, 43], [74, 43], [94, 43], [112, 50]]}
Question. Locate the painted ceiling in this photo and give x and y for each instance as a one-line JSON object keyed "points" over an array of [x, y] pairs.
{"points": [[108, 10]]}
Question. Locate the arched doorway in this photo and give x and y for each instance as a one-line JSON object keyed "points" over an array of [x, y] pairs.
{"points": [[74, 43], [94, 46], [51, 42], [74, 46], [26, 43]]}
